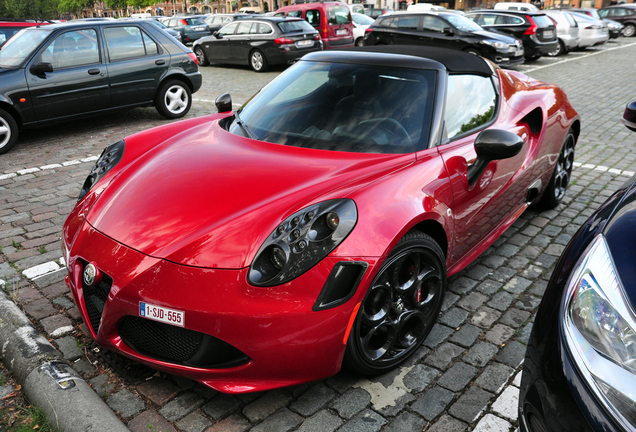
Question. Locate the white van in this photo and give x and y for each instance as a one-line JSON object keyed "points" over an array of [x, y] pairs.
{"points": [[421, 7], [519, 6]]}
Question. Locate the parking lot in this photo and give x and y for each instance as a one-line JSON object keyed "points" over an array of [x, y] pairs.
{"points": [[465, 377]]}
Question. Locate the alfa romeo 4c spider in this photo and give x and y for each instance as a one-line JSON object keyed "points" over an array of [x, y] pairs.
{"points": [[316, 226]]}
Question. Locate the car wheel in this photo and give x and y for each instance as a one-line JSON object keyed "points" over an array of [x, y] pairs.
{"points": [[560, 49], [258, 61], [400, 308], [472, 51], [629, 30], [360, 41], [201, 58], [8, 131], [560, 180], [173, 99]]}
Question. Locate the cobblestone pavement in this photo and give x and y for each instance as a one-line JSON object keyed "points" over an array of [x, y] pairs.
{"points": [[466, 374]]}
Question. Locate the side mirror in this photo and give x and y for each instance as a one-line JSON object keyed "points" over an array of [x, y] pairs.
{"points": [[217, 35], [40, 69], [493, 144], [448, 31], [224, 103], [629, 117]]}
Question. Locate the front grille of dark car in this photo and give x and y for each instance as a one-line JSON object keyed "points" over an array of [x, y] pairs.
{"points": [[95, 299], [178, 345]]}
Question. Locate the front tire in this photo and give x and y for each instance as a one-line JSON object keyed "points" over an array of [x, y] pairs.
{"points": [[174, 99], [629, 30], [258, 62], [560, 180], [8, 131], [201, 57], [400, 308]]}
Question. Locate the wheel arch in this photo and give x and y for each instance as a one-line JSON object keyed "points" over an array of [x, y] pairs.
{"points": [[435, 230], [14, 113], [176, 76]]}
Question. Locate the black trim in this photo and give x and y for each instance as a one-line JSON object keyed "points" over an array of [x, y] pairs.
{"points": [[341, 285]]}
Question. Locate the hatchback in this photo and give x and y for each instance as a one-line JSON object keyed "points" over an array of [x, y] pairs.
{"points": [[66, 71], [190, 27], [567, 31], [445, 30], [535, 29], [259, 42], [624, 14], [593, 32]]}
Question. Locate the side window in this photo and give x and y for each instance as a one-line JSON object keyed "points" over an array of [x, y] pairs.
{"points": [[487, 19], [603, 13], [630, 11], [228, 29], [244, 28], [72, 49], [264, 29], [470, 103], [409, 22], [128, 42], [313, 17], [295, 14], [432, 23]]}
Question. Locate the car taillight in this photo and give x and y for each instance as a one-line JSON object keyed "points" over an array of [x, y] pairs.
{"points": [[368, 30], [533, 27], [317, 37], [283, 41], [184, 22], [193, 57], [325, 32]]}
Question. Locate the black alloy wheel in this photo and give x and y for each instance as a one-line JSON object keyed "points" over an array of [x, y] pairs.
{"points": [[400, 308], [560, 180]]}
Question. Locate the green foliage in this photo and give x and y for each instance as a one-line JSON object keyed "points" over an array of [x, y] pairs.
{"points": [[478, 120]]}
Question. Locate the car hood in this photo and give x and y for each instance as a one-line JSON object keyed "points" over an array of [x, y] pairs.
{"points": [[208, 198], [485, 35]]}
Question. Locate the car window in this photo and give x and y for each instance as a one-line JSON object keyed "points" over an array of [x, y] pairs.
{"points": [[408, 22], [18, 48], [295, 14], [338, 15], [462, 23], [432, 23], [72, 49], [344, 107], [228, 29], [128, 42], [361, 19], [486, 19], [313, 17], [265, 29], [629, 11], [542, 21], [603, 13], [571, 20], [470, 103], [192, 21], [295, 26], [243, 28]]}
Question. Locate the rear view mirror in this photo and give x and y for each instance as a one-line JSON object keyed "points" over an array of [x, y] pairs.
{"points": [[224, 103], [629, 117], [493, 144], [40, 69]]}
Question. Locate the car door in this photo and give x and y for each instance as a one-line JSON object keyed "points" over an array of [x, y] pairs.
{"points": [[437, 32], [405, 30], [136, 64], [471, 106], [219, 49], [78, 83], [239, 43]]}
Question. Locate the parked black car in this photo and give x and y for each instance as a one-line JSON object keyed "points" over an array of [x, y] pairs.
{"points": [[624, 14], [190, 27], [259, 42], [535, 29], [446, 30], [579, 374], [216, 21], [66, 71]]}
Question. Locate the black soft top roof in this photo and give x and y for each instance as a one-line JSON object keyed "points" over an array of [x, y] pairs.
{"points": [[454, 61]]}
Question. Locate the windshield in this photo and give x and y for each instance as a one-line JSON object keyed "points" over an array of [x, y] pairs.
{"points": [[343, 107], [338, 15], [158, 24], [192, 21], [362, 19], [462, 23], [20, 47], [296, 26]]}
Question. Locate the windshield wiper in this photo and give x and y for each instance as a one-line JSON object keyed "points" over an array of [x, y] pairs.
{"points": [[243, 126]]}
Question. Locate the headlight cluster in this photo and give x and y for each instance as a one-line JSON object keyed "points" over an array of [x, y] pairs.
{"points": [[301, 241], [106, 162], [496, 44], [599, 329]]}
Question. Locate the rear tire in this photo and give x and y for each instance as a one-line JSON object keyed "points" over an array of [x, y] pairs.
{"points": [[173, 100], [360, 41], [629, 30], [201, 57], [258, 62], [8, 131], [560, 179], [558, 51], [400, 308]]}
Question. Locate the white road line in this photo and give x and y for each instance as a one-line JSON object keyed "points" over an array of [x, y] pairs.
{"points": [[41, 270]]}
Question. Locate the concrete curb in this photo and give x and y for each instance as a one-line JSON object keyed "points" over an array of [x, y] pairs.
{"points": [[69, 403]]}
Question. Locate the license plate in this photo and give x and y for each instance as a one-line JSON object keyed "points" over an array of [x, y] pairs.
{"points": [[519, 53], [547, 33], [162, 314], [341, 32], [304, 43], [198, 29]]}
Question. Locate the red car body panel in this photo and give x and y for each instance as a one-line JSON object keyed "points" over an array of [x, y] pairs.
{"points": [[154, 223]]}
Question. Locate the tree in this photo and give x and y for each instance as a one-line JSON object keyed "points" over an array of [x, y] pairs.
{"points": [[21, 9]]}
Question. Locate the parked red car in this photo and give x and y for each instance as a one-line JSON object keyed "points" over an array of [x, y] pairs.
{"points": [[9, 27], [317, 225]]}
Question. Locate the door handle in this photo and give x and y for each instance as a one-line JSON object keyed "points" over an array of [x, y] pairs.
{"points": [[160, 62], [93, 71]]}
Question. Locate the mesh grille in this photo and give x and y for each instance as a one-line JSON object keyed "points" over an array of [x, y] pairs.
{"points": [[159, 340], [95, 298]]}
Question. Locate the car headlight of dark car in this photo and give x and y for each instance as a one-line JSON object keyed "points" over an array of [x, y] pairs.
{"points": [[599, 330], [302, 240], [106, 162]]}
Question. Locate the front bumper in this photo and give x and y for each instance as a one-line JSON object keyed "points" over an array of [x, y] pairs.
{"points": [[283, 341]]}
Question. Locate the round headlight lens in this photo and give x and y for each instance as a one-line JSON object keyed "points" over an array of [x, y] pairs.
{"points": [[278, 257], [333, 220]]}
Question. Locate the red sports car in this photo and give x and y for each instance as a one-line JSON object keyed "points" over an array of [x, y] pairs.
{"points": [[317, 225]]}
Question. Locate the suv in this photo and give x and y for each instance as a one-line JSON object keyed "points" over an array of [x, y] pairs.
{"points": [[331, 19], [624, 14], [445, 30], [9, 27], [67, 71], [535, 29]]}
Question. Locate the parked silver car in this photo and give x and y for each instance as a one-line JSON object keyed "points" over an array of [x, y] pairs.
{"points": [[567, 31], [592, 31]]}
